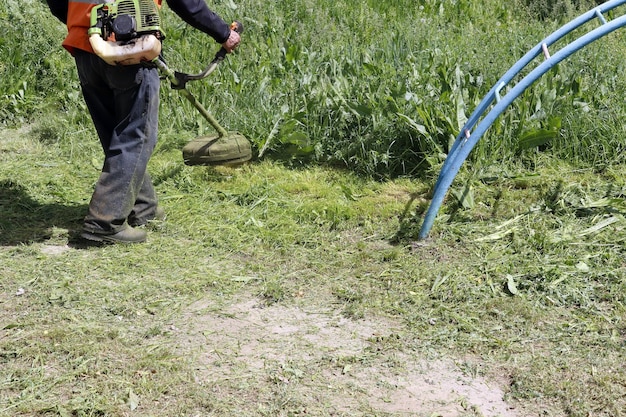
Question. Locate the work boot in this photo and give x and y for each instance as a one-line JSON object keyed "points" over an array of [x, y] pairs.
{"points": [[159, 215], [128, 235]]}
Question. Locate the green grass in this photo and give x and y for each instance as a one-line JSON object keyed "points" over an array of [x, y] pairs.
{"points": [[529, 281], [291, 88]]}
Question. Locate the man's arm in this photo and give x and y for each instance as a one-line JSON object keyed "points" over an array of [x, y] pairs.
{"points": [[197, 14], [58, 9]]}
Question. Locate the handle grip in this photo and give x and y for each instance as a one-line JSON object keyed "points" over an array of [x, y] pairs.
{"points": [[237, 27]]}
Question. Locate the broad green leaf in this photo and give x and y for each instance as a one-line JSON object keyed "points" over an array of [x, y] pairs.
{"points": [[296, 138], [536, 138], [582, 267], [360, 109], [413, 124], [554, 123], [511, 286], [465, 197], [601, 225], [133, 400], [461, 118], [616, 203]]}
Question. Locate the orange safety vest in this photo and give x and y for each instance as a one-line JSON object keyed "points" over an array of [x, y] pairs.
{"points": [[78, 23]]}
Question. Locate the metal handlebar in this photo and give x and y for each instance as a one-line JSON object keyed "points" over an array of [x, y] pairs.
{"points": [[179, 79]]}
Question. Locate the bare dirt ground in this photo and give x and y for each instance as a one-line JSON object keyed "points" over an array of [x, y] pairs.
{"points": [[278, 360]]}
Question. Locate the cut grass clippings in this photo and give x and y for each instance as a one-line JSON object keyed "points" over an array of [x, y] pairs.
{"points": [[526, 286]]}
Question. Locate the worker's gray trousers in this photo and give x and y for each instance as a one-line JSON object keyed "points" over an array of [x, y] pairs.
{"points": [[124, 105]]}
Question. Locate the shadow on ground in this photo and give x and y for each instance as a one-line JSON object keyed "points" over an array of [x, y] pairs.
{"points": [[24, 220]]}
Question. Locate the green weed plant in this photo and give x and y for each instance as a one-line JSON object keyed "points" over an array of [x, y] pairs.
{"points": [[381, 88]]}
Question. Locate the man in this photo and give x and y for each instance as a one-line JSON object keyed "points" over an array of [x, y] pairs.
{"points": [[123, 102]]}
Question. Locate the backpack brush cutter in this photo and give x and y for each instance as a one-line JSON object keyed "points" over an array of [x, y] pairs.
{"points": [[127, 32]]}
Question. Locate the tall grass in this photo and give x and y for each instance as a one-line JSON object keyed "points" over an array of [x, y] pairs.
{"points": [[380, 87], [556, 9]]}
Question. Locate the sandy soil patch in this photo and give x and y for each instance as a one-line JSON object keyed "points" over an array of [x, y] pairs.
{"points": [[262, 358]]}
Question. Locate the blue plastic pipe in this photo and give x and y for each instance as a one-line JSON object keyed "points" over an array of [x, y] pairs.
{"points": [[467, 139]]}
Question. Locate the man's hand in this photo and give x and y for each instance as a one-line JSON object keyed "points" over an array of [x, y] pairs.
{"points": [[232, 42]]}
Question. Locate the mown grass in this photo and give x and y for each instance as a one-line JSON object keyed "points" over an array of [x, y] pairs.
{"points": [[523, 276], [521, 282]]}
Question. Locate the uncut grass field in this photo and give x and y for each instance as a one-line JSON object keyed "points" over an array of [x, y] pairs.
{"points": [[295, 285]]}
